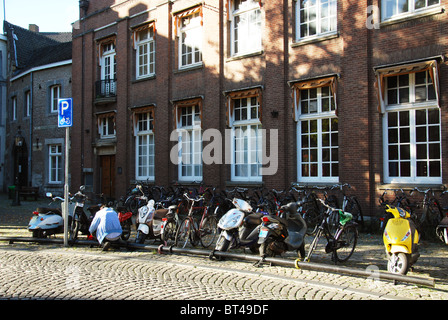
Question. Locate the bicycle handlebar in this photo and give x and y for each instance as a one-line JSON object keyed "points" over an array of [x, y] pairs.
{"points": [[191, 199], [326, 205]]}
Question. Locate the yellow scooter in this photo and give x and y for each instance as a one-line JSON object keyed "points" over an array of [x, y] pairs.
{"points": [[401, 241]]}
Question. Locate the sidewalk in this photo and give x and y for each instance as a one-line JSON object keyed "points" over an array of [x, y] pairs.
{"points": [[19, 215]]}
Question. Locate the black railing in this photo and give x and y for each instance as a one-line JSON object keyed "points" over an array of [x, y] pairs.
{"points": [[106, 88]]}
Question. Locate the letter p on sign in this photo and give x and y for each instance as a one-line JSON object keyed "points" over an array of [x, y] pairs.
{"points": [[65, 112]]}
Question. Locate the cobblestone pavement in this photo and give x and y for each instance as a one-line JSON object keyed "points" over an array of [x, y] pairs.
{"points": [[31, 271]]}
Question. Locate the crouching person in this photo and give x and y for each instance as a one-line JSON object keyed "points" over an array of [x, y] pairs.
{"points": [[106, 227]]}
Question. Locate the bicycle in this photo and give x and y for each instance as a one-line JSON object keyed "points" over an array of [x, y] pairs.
{"points": [[351, 204], [205, 232], [343, 243], [309, 209], [431, 215]]}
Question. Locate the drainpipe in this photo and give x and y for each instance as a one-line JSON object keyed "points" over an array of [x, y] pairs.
{"points": [[30, 154]]}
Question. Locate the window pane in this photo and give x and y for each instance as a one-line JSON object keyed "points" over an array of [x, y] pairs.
{"points": [[434, 168], [405, 169], [411, 154]]}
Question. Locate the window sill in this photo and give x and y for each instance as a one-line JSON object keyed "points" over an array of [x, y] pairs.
{"points": [[244, 56], [314, 39], [189, 68], [142, 79], [411, 16], [411, 186], [244, 184]]}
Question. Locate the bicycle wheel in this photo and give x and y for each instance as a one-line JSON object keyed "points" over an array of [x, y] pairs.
{"points": [[333, 222], [183, 233], [73, 228], [208, 231], [312, 218], [346, 242], [126, 227], [430, 221], [169, 234]]}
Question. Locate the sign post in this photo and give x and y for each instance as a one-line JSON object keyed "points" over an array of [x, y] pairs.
{"points": [[65, 120]]}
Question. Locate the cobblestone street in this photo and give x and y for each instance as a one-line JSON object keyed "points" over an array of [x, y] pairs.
{"points": [[51, 271]]}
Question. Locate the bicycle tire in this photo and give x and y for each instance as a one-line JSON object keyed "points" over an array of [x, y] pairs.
{"points": [[312, 219], [208, 231], [73, 229], [333, 222], [169, 234], [349, 235], [183, 233], [126, 228]]}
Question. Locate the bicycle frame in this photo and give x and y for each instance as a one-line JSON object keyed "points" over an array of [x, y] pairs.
{"points": [[193, 228], [333, 241]]}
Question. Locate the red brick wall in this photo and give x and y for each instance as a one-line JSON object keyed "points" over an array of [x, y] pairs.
{"points": [[351, 54]]}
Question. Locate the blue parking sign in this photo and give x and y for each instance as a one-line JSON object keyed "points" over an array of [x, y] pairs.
{"points": [[65, 112]]}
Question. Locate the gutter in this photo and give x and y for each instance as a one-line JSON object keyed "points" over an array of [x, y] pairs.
{"points": [[44, 67]]}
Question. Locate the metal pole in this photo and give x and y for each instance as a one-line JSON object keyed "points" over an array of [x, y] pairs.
{"points": [[67, 141]]}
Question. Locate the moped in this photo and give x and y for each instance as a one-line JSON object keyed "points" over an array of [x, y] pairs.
{"points": [[125, 218], [47, 220], [282, 233], [400, 240], [81, 220], [151, 222], [239, 228]]}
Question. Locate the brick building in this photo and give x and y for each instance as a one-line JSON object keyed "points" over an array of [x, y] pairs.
{"points": [[345, 91], [39, 73]]}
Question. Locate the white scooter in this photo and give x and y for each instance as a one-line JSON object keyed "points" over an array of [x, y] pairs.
{"points": [[47, 221], [239, 228], [151, 222]]}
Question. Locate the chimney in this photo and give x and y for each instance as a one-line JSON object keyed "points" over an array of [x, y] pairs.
{"points": [[33, 27]]}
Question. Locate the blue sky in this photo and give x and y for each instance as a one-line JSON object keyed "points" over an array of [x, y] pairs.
{"points": [[49, 15]]}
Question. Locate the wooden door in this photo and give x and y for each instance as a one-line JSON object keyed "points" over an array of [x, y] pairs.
{"points": [[108, 176]]}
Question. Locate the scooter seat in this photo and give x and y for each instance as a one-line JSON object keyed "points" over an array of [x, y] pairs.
{"points": [[254, 218], [160, 213], [44, 210]]}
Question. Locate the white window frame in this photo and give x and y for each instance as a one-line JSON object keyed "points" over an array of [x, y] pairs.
{"points": [[323, 10], [190, 144], [144, 146], [55, 95], [411, 106], [14, 108], [246, 147], [106, 127], [318, 115], [412, 10], [145, 49], [190, 36], [28, 103], [248, 31], [55, 170], [109, 62]]}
